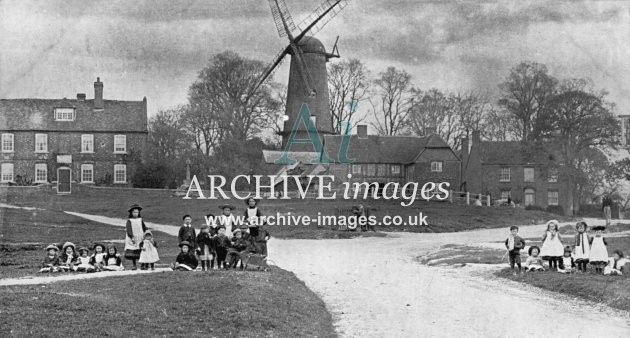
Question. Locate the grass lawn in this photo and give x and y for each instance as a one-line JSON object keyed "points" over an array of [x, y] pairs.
{"points": [[217, 304], [613, 291], [162, 207]]}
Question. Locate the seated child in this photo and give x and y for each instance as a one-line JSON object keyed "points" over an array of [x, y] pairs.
{"points": [[112, 261], [186, 260], [615, 264], [534, 262], [238, 246], [97, 258], [69, 258], [83, 261], [514, 243], [148, 254], [206, 248], [51, 262], [567, 263]]}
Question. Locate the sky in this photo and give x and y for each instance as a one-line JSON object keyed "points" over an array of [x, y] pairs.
{"points": [[55, 49]]}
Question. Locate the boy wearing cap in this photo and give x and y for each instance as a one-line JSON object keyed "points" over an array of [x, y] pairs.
{"points": [[186, 260], [514, 243], [187, 232], [51, 262]]}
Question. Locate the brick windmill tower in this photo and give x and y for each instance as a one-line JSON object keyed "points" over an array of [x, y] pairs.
{"points": [[308, 79]]}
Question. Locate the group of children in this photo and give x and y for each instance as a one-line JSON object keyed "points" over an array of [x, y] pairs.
{"points": [[586, 250], [71, 259], [224, 242]]}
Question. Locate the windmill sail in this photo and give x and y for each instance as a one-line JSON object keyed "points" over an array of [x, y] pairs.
{"points": [[280, 12], [327, 10], [271, 68]]}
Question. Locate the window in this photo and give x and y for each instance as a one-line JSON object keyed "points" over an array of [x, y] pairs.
{"points": [[87, 143], [41, 143], [120, 143], [553, 175], [6, 174], [87, 173], [381, 170], [436, 167], [505, 194], [552, 198], [64, 114], [504, 176], [356, 169], [529, 197], [120, 173], [371, 169], [395, 169], [529, 174], [7, 143], [41, 173]]}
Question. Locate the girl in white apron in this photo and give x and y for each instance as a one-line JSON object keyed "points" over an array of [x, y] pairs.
{"points": [[599, 253], [227, 220], [552, 249], [149, 254], [135, 234]]}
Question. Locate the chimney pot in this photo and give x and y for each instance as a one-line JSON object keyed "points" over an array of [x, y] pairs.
{"points": [[98, 94], [362, 131], [80, 96]]}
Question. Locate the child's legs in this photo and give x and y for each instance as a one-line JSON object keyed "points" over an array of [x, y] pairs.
{"points": [[511, 259]]}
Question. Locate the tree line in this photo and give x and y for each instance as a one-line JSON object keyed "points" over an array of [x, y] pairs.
{"points": [[225, 124]]}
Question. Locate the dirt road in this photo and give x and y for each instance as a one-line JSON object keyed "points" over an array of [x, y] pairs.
{"points": [[375, 288]]}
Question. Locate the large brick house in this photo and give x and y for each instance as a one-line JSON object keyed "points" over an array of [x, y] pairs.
{"points": [[71, 140], [509, 169], [382, 159]]}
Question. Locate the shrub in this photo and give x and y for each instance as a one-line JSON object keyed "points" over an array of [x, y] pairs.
{"points": [[556, 209]]}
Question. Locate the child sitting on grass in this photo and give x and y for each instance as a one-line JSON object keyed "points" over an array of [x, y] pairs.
{"points": [[83, 261], [51, 262], [514, 243], [238, 246], [615, 264], [112, 261], [186, 260], [599, 254], [68, 258], [149, 254], [534, 262], [567, 263], [97, 258]]}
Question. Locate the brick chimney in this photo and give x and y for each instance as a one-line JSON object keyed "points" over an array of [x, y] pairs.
{"points": [[98, 94], [362, 131], [465, 150], [80, 96], [476, 138]]}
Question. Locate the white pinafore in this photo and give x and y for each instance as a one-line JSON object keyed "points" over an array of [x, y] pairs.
{"points": [[583, 250], [138, 234]]}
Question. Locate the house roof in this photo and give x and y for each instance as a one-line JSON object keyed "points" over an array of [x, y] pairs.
{"points": [[38, 114], [511, 153]]}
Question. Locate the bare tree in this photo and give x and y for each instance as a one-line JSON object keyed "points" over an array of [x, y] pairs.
{"points": [[348, 84], [393, 92]]}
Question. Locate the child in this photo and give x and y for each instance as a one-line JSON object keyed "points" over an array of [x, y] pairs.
{"points": [[187, 232], [51, 262], [68, 258], [227, 220], [534, 262], [112, 261], [206, 248], [252, 214], [186, 260], [135, 231], [238, 246], [567, 263], [598, 256], [84, 261], [514, 243], [222, 245], [616, 264], [149, 254], [552, 249], [582, 246], [96, 260]]}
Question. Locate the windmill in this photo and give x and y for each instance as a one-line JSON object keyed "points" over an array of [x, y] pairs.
{"points": [[308, 79]]}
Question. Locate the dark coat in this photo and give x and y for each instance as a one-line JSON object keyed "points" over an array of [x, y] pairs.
{"points": [[223, 242], [519, 243], [187, 234], [259, 234], [64, 258], [50, 261], [188, 259], [206, 239], [107, 257], [240, 244]]}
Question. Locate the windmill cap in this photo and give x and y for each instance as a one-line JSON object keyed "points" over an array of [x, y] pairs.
{"points": [[309, 44]]}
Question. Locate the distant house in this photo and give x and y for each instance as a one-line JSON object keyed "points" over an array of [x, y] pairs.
{"points": [[77, 140], [509, 169], [381, 159]]}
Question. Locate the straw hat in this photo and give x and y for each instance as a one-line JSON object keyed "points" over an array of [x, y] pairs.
{"points": [[135, 206]]}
